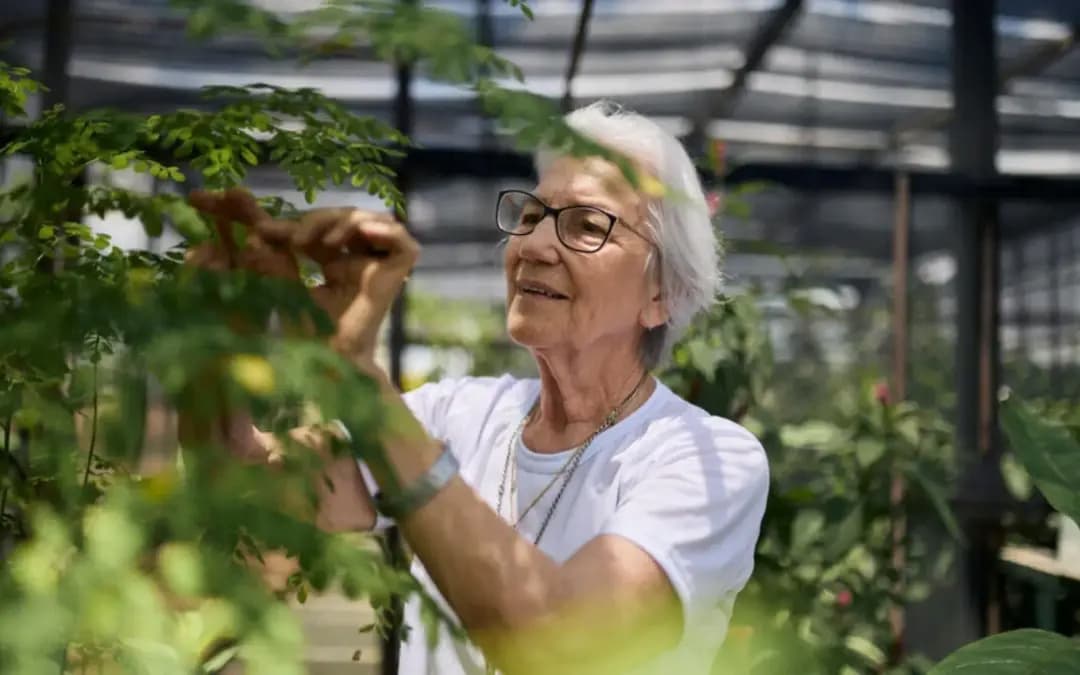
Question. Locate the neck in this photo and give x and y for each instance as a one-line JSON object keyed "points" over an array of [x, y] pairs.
{"points": [[578, 390]]}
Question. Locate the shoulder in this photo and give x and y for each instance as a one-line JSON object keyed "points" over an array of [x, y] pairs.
{"points": [[685, 436]]}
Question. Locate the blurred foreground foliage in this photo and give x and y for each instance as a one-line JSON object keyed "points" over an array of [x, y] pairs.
{"points": [[112, 553]]}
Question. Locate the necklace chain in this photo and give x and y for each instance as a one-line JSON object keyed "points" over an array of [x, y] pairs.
{"points": [[567, 470]]}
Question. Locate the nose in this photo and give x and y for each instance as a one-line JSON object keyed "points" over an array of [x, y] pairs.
{"points": [[542, 244]]}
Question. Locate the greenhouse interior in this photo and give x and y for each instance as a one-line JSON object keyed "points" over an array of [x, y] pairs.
{"points": [[897, 188]]}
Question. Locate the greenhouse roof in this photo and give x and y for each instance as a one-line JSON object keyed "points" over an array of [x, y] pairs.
{"points": [[827, 83]]}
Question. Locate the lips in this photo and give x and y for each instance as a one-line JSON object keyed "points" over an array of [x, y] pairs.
{"points": [[540, 289]]}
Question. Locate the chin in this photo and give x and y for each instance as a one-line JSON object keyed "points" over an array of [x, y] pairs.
{"points": [[529, 331]]}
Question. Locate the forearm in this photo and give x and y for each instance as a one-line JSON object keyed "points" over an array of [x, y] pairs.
{"points": [[492, 577]]}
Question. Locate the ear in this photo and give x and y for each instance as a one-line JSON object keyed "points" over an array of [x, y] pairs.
{"points": [[654, 313]]}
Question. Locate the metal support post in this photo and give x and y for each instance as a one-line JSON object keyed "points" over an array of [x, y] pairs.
{"points": [[973, 145]]}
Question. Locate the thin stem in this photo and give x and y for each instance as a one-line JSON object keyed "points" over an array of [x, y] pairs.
{"points": [[7, 451], [93, 423], [11, 458]]}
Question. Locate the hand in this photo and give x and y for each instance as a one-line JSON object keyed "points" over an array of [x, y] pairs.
{"points": [[238, 206], [365, 258]]}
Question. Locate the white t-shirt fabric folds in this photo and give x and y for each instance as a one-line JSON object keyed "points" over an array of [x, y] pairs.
{"points": [[688, 488]]}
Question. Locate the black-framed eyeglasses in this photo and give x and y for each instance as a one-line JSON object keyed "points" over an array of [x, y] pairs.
{"points": [[579, 228]]}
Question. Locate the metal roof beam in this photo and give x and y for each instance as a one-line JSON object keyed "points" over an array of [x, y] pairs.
{"points": [[1028, 65], [576, 50], [768, 34]]}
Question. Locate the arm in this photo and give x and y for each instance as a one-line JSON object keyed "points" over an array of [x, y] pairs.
{"points": [[608, 607]]}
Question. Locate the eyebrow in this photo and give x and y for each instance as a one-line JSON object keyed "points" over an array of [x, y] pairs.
{"points": [[590, 202]]}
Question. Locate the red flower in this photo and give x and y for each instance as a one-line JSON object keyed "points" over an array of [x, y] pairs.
{"points": [[843, 598], [713, 200], [881, 393]]}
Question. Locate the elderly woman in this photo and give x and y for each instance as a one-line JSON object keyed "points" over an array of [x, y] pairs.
{"points": [[588, 520]]}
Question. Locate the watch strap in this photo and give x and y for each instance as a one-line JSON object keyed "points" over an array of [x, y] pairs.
{"points": [[421, 491]]}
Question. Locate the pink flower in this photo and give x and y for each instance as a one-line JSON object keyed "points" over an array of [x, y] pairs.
{"points": [[844, 598], [881, 393], [714, 201]]}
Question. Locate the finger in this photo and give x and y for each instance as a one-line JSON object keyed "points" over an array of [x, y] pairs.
{"points": [[276, 231], [204, 200], [391, 238], [213, 204], [313, 223], [311, 232], [208, 255], [339, 235], [268, 260], [242, 207]]}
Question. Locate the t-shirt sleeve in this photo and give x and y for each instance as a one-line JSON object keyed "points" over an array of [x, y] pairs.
{"points": [[697, 510]]}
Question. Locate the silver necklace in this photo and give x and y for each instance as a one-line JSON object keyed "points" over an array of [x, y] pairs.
{"points": [[567, 470]]}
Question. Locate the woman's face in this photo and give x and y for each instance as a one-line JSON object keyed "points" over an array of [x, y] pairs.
{"points": [[606, 297]]}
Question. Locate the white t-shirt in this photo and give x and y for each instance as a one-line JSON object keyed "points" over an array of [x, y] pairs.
{"points": [[688, 488]]}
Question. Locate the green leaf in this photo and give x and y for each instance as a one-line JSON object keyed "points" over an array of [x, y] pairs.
{"points": [[181, 568], [123, 430], [940, 504], [46, 232], [704, 357], [866, 649], [1048, 452], [846, 534], [868, 451], [806, 528], [152, 225], [1016, 478], [188, 221], [1021, 652]]}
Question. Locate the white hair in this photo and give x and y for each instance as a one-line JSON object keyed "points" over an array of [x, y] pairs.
{"points": [[680, 223]]}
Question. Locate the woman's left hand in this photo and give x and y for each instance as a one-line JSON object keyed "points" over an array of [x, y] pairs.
{"points": [[365, 258]]}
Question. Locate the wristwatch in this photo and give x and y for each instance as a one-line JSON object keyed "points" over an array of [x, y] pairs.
{"points": [[410, 498]]}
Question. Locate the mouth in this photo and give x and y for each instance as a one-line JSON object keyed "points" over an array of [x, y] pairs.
{"points": [[538, 289]]}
